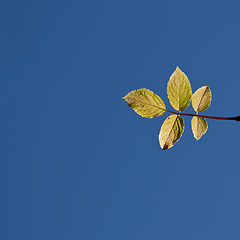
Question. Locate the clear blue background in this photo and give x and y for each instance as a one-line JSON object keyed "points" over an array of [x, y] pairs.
{"points": [[75, 161]]}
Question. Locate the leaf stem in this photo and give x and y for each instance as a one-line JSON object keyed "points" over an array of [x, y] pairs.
{"points": [[237, 118]]}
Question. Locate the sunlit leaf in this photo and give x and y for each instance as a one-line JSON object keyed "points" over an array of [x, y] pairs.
{"points": [[145, 102], [201, 99], [179, 90], [199, 127], [171, 131]]}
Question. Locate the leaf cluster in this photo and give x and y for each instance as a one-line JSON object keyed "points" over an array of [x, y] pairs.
{"points": [[149, 105]]}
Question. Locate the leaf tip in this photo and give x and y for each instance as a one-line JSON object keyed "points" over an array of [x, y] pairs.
{"points": [[165, 147], [178, 69], [128, 99], [197, 138]]}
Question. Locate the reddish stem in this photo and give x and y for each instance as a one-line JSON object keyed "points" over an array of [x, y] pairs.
{"points": [[212, 117]]}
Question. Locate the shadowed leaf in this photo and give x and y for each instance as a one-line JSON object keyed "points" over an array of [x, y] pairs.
{"points": [[145, 102], [201, 99], [199, 127], [179, 90], [171, 131]]}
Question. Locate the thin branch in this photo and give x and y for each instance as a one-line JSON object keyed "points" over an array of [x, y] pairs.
{"points": [[205, 116], [211, 117], [237, 118]]}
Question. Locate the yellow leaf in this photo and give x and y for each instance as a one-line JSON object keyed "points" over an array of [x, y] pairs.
{"points": [[179, 90], [201, 99], [199, 127], [145, 102], [171, 131]]}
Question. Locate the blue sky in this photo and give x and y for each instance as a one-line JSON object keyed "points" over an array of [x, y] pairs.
{"points": [[75, 161]]}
